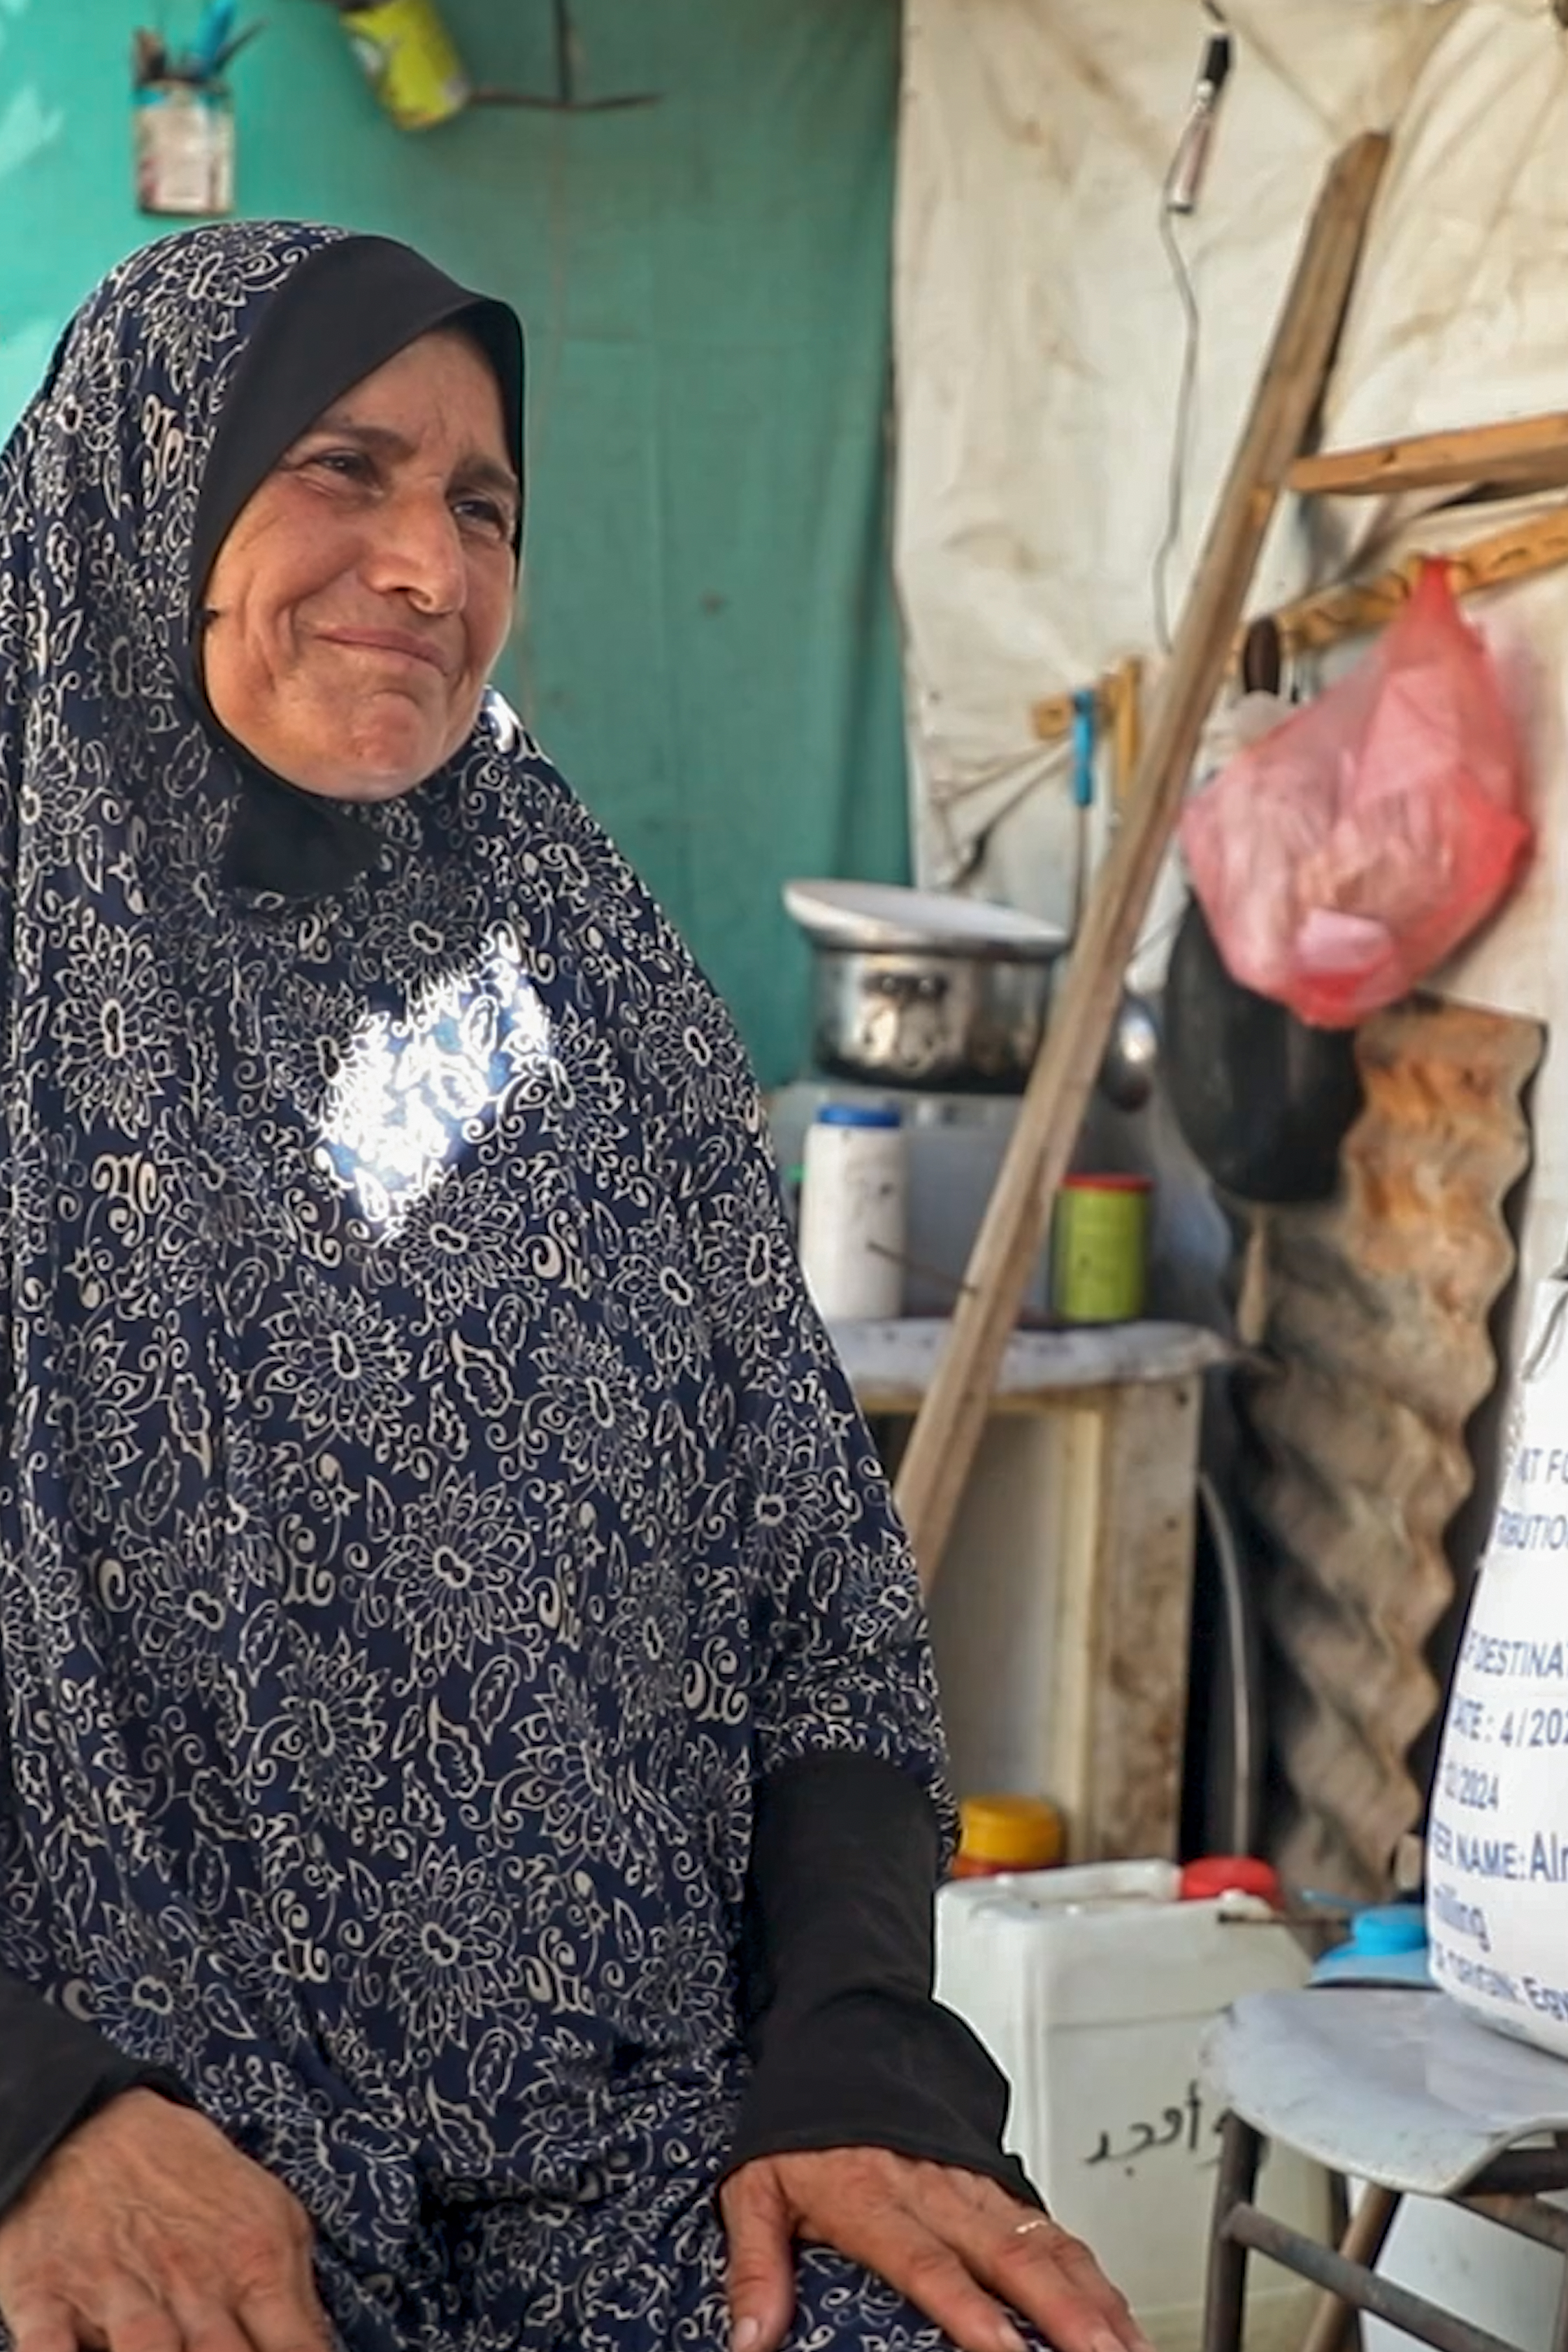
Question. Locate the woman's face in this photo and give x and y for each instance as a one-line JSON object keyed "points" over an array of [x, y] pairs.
{"points": [[366, 588]]}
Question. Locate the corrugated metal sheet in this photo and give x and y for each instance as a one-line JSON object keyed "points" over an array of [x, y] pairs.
{"points": [[1374, 1310]]}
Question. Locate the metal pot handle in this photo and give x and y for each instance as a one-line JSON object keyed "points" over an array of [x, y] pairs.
{"points": [[911, 987]]}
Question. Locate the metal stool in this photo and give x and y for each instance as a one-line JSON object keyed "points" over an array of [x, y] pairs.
{"points": [[1398, 2088]]}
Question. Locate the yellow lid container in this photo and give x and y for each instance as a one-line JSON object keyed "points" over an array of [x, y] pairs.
{"points": [[1008, 1832]]}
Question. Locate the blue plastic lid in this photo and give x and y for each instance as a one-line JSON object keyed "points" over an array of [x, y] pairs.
{"points": [[1347, 1964], [859, 1115], [1389, 1928], [1387, 1946]]}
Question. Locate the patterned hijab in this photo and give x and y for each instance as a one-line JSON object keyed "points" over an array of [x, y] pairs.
{"points": [[429, 1504]]}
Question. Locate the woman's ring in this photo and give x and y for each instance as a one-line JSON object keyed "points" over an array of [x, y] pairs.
{"points": [[1041, 2222]]}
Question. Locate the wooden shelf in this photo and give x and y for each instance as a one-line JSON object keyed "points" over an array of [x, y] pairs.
{"points": [[890, 1365]]}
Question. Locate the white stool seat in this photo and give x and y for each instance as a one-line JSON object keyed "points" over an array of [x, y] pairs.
{"points": [[1395, 2085]]}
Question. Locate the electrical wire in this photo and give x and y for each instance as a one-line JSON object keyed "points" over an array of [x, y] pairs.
{"points": [[1181, 430]]}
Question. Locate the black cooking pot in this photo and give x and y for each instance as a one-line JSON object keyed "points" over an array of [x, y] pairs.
{"points": [[1263, 1101]]}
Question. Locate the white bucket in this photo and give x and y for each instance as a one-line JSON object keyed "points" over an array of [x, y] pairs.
{"points": [[1090, 1988]]}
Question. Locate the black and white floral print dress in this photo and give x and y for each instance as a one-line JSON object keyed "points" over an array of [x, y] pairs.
{"points": [[429, 1504]]}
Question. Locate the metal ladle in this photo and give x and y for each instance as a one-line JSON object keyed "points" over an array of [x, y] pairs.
{"points": [[1126, 1077]]}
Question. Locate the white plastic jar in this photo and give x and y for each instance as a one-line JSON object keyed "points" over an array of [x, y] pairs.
{"points": [[853, 1211]]}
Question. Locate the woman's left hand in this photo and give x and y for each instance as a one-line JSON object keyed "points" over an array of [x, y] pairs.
{"points": [[954, 2242]]}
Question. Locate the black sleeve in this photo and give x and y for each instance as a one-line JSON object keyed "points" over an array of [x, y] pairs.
{"points": [[849, 2048], [54, 2071]]}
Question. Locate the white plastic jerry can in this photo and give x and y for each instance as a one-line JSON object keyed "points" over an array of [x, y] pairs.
{"points": [[1091, 1988]]}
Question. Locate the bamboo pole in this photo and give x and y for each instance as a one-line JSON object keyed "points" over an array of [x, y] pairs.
{"points": [[947, 1428]]}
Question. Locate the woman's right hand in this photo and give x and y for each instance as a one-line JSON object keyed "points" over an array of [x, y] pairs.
{"points": [[147, 2231]]}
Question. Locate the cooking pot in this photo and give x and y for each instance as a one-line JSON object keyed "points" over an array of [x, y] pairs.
{"points": [[1263, 1101], [913, 988]]}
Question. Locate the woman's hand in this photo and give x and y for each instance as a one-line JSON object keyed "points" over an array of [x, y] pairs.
{"points": [[954, 2242], [146, 2231]]}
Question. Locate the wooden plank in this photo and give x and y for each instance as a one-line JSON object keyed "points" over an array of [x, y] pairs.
{"points": [[947, 1428], [1061, 1639], [1354, 607], [1050, 719], [1519, 553], [1533, 449], [1126, 732], [1119, 1696], [995, 1622]]}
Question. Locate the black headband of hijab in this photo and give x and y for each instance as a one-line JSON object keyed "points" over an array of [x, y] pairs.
{"points": [[345, 311]]}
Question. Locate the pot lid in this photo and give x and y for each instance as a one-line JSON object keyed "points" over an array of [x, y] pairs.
{"points": [[872, 915]]}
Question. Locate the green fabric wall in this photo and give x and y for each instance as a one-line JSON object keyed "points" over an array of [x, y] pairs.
{"points": [[708, 645]]}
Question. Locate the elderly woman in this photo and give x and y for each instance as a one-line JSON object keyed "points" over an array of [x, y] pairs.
{"points": [[470, 1780]]}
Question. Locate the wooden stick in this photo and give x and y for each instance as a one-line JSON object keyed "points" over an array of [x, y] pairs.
{"points": [[947, 1428], [1052, 716], [1520, 552], [1527, 450], [1329, 616], [1364, 2238], [1126, 732]]}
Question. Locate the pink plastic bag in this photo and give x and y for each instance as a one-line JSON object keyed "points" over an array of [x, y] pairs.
{"points": [[1344, 856]]}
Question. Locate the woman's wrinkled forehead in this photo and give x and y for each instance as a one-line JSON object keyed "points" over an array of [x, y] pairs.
{"points": [[342, 314], [197, 362]]}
